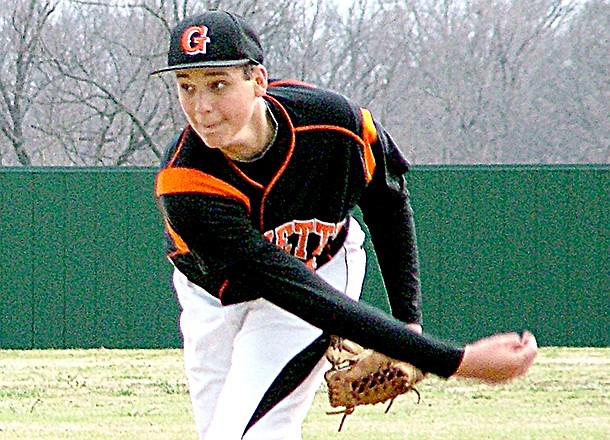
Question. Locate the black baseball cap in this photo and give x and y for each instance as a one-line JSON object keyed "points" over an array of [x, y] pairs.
{"points": [[212, 39]]}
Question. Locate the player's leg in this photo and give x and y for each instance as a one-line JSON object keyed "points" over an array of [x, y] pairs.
{"points": [[275, 353], [284, 421], [208, 344], [346, 274], [274, 350]]}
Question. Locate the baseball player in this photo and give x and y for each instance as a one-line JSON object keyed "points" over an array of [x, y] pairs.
{"points": [[257, 195]]}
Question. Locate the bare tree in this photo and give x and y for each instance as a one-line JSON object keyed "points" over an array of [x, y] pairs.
{"points": [[575, 90], [103, 112], [473, 59], [454, 81], [22, 26], [108, 110]]}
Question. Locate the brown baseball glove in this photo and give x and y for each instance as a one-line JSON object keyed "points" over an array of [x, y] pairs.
{"points": [[360, 376]]}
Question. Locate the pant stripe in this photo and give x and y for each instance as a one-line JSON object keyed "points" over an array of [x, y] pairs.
{"points": [[293, 374]]}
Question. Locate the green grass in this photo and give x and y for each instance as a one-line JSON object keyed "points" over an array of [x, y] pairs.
{"points": [[142, 394]]}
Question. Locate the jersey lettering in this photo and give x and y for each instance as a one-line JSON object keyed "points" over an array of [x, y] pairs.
{"points": [[303, 229], [282, 234], [305, 239]]}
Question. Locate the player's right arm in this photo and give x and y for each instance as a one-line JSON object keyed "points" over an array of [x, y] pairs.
{"points": [[218, 229], [213, 222]]}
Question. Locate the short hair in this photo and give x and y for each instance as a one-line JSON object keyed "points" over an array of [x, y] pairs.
{"points": [[247, 69]]}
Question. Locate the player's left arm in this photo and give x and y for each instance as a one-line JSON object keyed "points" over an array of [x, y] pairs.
{"points": [[388, 214]]}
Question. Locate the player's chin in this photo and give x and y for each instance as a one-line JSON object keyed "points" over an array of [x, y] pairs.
{"points": [[211, 135]]}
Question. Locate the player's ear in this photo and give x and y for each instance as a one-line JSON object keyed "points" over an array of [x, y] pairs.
{"points": [[261, 80]]}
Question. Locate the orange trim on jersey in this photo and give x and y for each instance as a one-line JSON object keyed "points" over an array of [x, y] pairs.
{"points": [[179, 147], [181, 247], [180, 180], [369, 160], [290, 82], [243, 175], [222, 289], [331, 128], [286, 159], [370, 136]]}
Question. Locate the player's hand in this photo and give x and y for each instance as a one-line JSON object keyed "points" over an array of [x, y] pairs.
{"points": [[498, 358]]}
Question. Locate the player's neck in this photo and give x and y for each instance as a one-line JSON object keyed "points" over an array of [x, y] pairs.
{"points": [[258, 137]]}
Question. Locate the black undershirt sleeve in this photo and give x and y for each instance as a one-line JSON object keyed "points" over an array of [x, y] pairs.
{"points": [[388, 215], [219, 232]]}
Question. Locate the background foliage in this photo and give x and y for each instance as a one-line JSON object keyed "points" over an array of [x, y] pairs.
{"points": [[454, 81]]}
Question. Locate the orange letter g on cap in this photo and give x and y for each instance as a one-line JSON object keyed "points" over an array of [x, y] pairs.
{"points": [[194, 40]]}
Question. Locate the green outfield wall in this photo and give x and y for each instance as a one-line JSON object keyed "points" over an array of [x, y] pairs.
{"points": [[502, 248]]}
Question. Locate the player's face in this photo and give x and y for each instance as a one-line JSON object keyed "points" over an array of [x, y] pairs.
{"points": [[219, 103]]}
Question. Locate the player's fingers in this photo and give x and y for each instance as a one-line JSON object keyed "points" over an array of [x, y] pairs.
{"points": [[528, 339], [531, 346], [516, 341], [526, 353], [528, 345], [508, 341]]}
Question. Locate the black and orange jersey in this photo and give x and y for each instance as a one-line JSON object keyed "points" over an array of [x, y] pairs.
{"points": [[259, 229]]}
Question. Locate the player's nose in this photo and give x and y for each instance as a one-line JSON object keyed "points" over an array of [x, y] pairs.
{"points": [[203, 104]]}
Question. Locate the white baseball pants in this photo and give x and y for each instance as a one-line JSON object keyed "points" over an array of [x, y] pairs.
{"points": [[237, 357]]}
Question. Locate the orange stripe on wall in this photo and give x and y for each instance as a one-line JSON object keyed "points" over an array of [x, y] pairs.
{"points": [[180, 180]]}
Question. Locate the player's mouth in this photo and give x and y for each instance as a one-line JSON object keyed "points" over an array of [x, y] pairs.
{"points": [[211, 134], [209, 127]]}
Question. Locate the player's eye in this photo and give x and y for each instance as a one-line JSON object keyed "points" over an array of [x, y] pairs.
{"points": [[218, 86], [186, 87]]}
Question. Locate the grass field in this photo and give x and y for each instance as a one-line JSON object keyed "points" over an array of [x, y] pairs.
{"points": [[141, 394]]}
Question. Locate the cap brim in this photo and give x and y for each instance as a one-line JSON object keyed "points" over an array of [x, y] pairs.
{"points": [[205, 64]]}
